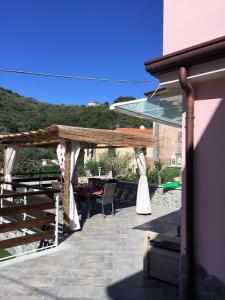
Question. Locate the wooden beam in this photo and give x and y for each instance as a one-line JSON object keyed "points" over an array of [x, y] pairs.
{"points": [[27, 224], [49, 234], [66, 225], [33, 143], [8, 211]]}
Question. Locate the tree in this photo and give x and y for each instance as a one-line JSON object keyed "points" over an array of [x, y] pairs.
{"points": [[118, 163], [123, 99], [93, 166], [16, 112]]}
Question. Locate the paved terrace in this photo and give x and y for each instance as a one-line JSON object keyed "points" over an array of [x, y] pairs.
{"points": [[103, 261]]}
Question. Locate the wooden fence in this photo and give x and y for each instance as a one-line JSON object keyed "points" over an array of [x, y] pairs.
{"points": [[32, 213]]}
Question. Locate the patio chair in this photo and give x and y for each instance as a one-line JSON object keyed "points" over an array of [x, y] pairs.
{"points": [[108, 197]]}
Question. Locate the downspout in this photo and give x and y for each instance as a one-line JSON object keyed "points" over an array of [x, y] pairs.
{"points": [[189, 189]]}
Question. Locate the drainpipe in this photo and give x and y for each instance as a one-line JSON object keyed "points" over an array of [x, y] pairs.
{"points": [[189, 159]]}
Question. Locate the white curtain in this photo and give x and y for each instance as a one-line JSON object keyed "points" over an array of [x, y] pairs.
{"points": [[143, 204], [75, 149], [73, 215], [10, 161], [61, 149]]}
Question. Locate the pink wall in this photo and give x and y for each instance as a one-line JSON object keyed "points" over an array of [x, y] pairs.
{"points": [[209, 170], [187, 23], [209, 177], [190, 22]]}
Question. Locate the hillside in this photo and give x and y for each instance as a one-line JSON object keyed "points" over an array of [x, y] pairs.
{"points": [[20, 113]]}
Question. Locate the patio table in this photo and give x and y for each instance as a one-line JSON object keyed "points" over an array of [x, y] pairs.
{"points": [[89, 193]]}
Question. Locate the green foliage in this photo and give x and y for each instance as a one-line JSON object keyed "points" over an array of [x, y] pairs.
{"points": [[24, 114], [20, 113], [158, 164], [49, 169], [80, 167], [81, 170], [131, 176], [168, 174], [29, 159], [4, 253], [153, 177], [119, 164], [27, 166], [158, 167], [93, 165], [123, 99]]}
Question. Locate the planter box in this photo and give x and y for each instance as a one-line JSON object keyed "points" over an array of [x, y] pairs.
{"points": [[161, 263]]}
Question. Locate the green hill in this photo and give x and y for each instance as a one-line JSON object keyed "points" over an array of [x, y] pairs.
{"points": [[20, 113]]}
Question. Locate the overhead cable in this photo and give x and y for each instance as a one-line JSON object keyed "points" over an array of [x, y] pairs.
{"points": [[75, 77]]}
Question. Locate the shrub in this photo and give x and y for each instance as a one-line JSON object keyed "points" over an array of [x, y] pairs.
{"points": [[129, 177], [93, 165], [118, 163], [49, 169], [153, 177], [81, 171], [168, 174]]}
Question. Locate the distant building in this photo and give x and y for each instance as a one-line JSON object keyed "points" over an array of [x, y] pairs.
{"points": [[168, 147], [169, 144], [48, 162], [93, 103], [98, 152]]}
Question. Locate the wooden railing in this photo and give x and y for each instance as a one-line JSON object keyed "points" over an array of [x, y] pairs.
{"points": [[26, 214], [43, 178]]}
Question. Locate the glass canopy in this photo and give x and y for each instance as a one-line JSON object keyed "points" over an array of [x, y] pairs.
{"points": [[163, 108]]}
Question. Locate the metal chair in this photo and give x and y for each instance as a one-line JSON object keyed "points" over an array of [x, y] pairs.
{"points": [[108, 197]]}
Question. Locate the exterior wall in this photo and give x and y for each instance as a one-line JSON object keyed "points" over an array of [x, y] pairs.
{"points": [[168, 144], [187, 23], [190, 22], [210, 176]]}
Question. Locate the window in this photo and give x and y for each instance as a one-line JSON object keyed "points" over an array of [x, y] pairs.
{"points": [[175, 160]]}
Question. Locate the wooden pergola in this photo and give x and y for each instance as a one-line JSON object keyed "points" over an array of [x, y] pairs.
{"points": [[86, 137]]}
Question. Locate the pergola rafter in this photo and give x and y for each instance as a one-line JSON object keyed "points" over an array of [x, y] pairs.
{"points": [[86, 136]]}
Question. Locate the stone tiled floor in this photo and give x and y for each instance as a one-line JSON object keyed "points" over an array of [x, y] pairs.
{"points": [[103, 261]]}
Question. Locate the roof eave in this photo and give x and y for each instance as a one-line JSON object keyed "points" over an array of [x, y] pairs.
{"points": [[194, 55]]}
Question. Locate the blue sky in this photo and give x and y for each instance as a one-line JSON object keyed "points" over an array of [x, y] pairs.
{"points": [[102, 38]]}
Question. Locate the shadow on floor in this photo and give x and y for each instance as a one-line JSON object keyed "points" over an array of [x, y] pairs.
{"points": [[164, 224], [119, 205], [96, 208], [135, 287]]}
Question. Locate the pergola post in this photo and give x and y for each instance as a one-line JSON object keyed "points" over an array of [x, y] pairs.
{"points": [[66, 224]]}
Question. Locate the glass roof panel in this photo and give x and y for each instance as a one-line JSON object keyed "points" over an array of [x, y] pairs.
{"points": [[162, 109]]}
